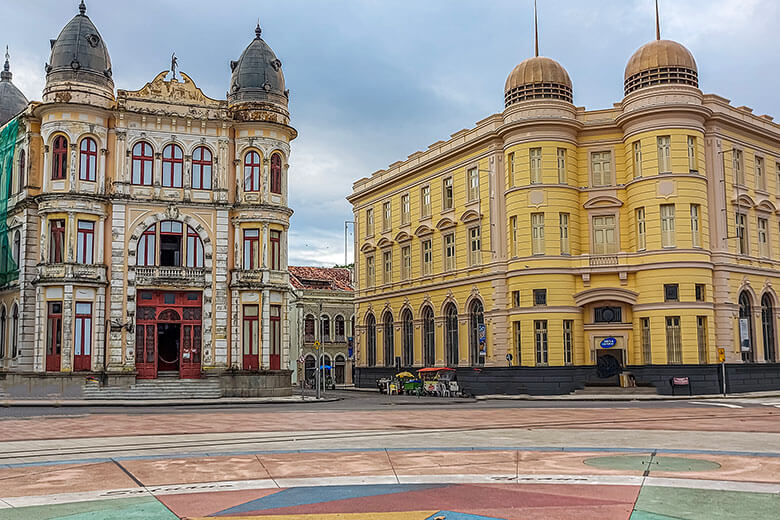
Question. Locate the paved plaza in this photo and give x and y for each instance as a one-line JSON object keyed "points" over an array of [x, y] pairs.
{"points": [[367, 457]]}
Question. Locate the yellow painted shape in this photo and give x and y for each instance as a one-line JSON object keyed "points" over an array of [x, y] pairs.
{"points": [[403, 515]]}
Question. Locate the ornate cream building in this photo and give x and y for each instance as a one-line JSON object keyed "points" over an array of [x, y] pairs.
{"points": [[565, 244], [148, 228]]}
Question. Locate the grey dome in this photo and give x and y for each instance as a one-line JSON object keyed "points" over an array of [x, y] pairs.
{"points": [[12, 101], [257, 75], [80, 54]]}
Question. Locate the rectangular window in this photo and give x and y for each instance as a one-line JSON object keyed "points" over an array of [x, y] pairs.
{"points": [[604, 235], [646, 353], [777, 171], [540, 296], [251, 249], [540, 338], [370, 222], [562, 166], [147, 252], [537, 233], [695, 226], [763, 238], [406, 262], [673, 340], [563, 223], [513, 236], [473, 176], [568, 326], [194, 249], [601, 168], [664, 154], [387, 261], [425, 202], [516, 298], [251, 337], [83, 332], [535, 165], [56, 241], [700, 292], [742, 243], [693, 164], [518, 341], [370, 274], [427, 257], [475, 246], [85, 242], [637, 159], [760, 177], [511, 165], [739, 171], [608, 314], [641, 235], [671, 292], [667, 225], [405, 209], [387, 215], [701, 336], [446, 199], [274, 239], [449, 252]]}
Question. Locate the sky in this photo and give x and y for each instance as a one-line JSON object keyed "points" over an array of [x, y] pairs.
{"points": [[374, 81]]}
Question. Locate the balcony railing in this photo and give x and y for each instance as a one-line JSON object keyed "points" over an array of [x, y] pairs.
{"points": [[166, 275], [603, 260], [85, 272], [259, 276]]}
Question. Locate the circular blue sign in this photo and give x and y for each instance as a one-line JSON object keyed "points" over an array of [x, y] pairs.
{"points": [[608, 342]]}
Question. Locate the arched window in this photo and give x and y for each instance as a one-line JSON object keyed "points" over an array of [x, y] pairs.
{"points": [[276, 173], [371, 340], [3, 319], [17, 248], [201, 168], [768, 327], [746, 327], [451, 334], [408, 338], [252, 167], [477, 341], [389, 343], [22, 172], [147, 252], [429, 338], [15, 331], [59, 158], [143, 164], [308, 329], [194, 249], [339, 328], [309, 367], [88, 160], [338, 369], [172, 166], [324, 328]]}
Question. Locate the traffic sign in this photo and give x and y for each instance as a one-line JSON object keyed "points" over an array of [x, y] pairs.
{"points": [[316, 345], [721, 355]]}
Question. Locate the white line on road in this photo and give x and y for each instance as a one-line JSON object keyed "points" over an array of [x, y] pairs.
{"points": [[727, 405]]}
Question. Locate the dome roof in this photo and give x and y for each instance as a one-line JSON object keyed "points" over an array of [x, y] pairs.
{"points": [[538, 78], [80, 54], [660, 62], [257, 75], [12, 101]]}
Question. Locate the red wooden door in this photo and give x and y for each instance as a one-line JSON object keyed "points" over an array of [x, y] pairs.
{"points": [[275, 358], [54, 337], [251, 338], [82, 344], [146, 341]]}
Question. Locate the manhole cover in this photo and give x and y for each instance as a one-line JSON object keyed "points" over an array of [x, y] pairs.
{"points": [[644, 462]]}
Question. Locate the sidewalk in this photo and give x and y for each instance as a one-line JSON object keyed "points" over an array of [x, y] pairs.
{"points": [[626, 397], [59, 402]]}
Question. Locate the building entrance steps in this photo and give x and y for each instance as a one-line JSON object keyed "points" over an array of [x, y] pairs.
{"points": [[168, 387]]}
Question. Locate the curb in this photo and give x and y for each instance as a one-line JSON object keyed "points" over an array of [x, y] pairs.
{"points": [[59, 403], [627, 397]]}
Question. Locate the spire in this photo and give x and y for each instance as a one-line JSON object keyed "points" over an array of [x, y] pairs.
{"points": [[82, 8], [6, 74], [657, 23], [258, 30], [536, 31]]}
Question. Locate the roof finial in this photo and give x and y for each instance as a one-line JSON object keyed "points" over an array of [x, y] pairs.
{"points": [[657, 23], [258, 30], [536, 31], [82, 8], [5, 75]]}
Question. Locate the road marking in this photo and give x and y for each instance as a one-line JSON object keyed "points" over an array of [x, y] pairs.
{"points": [[727, 405]]}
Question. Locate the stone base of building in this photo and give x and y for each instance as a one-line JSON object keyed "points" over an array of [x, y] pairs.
{"points": [[704, 379], [265, 383]]}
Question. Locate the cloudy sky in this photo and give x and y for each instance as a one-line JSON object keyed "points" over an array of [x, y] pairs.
{"points": [[373, 81]]}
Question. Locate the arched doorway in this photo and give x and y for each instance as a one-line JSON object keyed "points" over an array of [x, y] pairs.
{"points": [[338, 369], [477, 336], [168, 340], [371, 340], [309, 367], [768, 327], [746, 327], [389, 350], [408, 338], [429, 338], [451, 334]]}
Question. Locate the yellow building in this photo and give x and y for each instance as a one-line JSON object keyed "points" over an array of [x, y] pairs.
{"points": [[578, 242]]}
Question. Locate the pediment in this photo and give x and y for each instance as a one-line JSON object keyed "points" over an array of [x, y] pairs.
{"points": [[470, 216], [384, 242], [445, 223], [745, 200], [183, 92], [367, 247], [403, 236], [605, 294], [423, 230], [603, 201]]}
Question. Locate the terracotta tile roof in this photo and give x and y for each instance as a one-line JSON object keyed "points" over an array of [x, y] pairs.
{"points": [[321, 278]]}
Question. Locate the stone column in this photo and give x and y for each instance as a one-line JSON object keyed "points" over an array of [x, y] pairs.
{"points": [[265, 323], [67, 330], [101, 174], [264, 245], [220, 261], [70, 238], [99, 323], [45, 174], [116, 304], [39, 331], [100, 241]]}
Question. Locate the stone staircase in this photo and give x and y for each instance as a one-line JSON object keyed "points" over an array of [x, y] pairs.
{"points": [[165, 387]]}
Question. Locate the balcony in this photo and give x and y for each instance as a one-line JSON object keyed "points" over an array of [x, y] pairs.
{"points": [[170, 275], [95, 273], [603, 260], [245, 277]]}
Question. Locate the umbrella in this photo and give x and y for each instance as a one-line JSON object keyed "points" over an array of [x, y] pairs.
{"points": [[326, 366], [404, 375]]}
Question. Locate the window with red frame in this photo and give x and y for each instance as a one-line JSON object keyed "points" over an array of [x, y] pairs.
{"points": [[275, 237], [308, 329], [56, 241], [276, 173], [252, 167], [275, 357], [59, 156], [172, 166], [251, 249], [201, 168], [171, 242], [143, 164], [83, 340], [146, 246], [85, 241], [88, 160], [194, 249]]}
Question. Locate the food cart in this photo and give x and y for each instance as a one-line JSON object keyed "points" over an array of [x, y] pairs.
{"points": [[433, 379], [408, 383]]}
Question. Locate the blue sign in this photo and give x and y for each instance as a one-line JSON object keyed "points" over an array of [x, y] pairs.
{"points": [[608, 342]]}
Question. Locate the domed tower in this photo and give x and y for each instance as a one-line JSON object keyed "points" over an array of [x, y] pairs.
{"points": [[79, 69], [257, 89], [537, 78], [660, 62], [12, 101]]}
